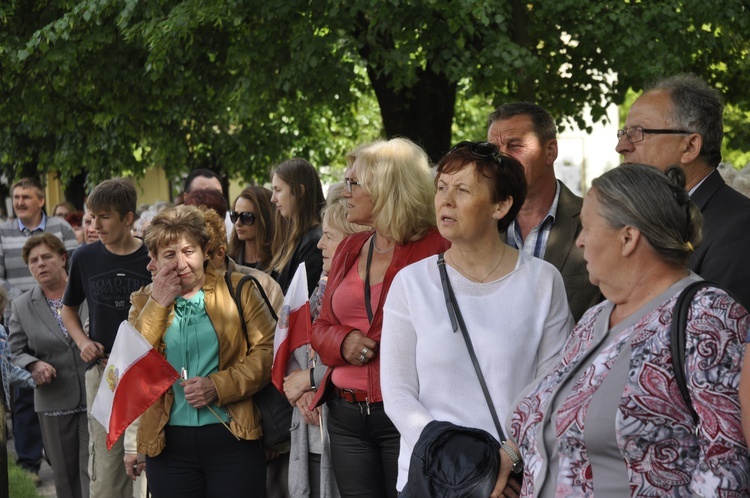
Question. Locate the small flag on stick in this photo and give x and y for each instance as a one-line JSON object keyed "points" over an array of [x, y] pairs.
{"points": [[134, 378]]}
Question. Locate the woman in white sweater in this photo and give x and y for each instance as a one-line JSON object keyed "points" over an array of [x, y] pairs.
{"points": [[514, 306]]}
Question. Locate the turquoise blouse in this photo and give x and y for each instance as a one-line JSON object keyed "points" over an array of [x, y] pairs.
{"points": [[192, 348]]}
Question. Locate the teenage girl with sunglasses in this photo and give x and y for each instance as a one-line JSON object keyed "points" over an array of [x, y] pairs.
{"points": [[253, 231]]}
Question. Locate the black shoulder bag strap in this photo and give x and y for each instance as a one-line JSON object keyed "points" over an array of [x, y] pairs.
{"points": [[237, 296], [457, 322], [677, 337]]}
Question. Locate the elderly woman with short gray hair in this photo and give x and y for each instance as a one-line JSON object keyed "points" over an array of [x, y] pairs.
{"points": [[609, 418]]}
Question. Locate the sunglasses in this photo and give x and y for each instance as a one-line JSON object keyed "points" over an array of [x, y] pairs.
{"points": [[481, 149], [246, 218]]}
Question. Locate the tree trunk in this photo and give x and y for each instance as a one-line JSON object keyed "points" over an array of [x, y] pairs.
{"points": [[423, 113], [75, 190], [519, 34]]}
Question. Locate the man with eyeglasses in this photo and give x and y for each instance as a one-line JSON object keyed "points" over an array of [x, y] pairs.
{"points": [[549, 221], [678, 121]]}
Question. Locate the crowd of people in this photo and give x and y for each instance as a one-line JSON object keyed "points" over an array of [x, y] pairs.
{"points": [[570, 305]]}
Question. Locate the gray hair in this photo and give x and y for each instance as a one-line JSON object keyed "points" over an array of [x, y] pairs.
{"points": [[698, 108], [656, 204], [544, 125]]}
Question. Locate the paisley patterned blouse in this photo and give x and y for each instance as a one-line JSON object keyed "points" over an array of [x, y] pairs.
{"points": [[662, 451]]}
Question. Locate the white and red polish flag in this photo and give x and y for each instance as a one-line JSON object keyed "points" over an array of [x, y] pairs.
{"points": [[134, 378], [293, 328]]}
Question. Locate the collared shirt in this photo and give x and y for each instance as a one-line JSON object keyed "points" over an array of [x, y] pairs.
{"points": [[692, 190], [31, 231], [536, 241], [192, 348]]}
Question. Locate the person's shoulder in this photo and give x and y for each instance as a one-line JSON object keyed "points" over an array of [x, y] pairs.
{"points": [[56, 221], [143, 292], [8, 224], [536, 264], [355, 240], [142, 251], [419, 268], [24, 299], [728, 208], [568, 203], [432, 240], [312, 236], [89, 249]]}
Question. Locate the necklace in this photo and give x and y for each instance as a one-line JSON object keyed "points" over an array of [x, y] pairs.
{"points": [[381, 251], [470, 277]]}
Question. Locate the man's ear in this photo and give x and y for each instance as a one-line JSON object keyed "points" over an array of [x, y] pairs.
{"points": [[552, 151], [129, 218], [692, 148]]}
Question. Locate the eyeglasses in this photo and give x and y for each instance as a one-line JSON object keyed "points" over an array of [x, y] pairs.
{"points": [[246, 218], [636, 134], [350, 183]]}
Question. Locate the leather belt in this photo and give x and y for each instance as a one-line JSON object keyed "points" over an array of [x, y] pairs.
{"points": [[351, 395]]}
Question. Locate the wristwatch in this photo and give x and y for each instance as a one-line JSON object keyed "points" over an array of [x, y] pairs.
{"points": [[517, 463]]}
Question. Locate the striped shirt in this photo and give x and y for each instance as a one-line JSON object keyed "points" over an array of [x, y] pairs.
{"points": [[14, 274], [536, 241]]}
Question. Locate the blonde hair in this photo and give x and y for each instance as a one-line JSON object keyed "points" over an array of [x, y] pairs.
{"points": [[334, 214], [396, 175]]}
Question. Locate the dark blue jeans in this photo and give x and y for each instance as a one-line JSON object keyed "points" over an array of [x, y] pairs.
{"points": [[207, 462], [364, 449], [27, 434]]}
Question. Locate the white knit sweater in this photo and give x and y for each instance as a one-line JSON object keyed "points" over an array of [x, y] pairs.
{"points": [[517, 325]]}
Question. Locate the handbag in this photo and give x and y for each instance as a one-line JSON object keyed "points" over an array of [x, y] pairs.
{"points": [[275, 410], [449, 460]]}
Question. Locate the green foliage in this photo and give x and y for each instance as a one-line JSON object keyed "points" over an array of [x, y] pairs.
{"points": [[112, 86]]}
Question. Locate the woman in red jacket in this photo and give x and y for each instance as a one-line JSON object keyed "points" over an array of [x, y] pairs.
{"points": [[389, 187]]}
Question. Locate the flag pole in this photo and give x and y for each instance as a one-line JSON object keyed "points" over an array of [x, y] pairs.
{"points": [[222, 422]]}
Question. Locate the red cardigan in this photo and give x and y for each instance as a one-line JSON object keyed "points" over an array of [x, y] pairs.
{"points": [[328, 333]]}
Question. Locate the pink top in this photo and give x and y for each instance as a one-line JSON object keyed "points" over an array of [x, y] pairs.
{"points": [[349, 305]]}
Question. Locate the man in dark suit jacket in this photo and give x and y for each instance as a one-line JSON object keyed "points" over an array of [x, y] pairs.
{"points": [[549, 221], [678, 120]]}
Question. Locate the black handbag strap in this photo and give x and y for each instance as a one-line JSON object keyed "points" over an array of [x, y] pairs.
{"points": [[457, 322], [677, 337], [237, 296]]}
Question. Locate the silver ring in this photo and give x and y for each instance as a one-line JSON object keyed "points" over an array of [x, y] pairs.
{"points": [[362, 358], [364, 351]]}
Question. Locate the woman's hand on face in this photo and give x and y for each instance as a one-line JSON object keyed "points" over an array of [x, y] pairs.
{"points": [[358, 349], [166, 286], [311, 417], [296, 384], [199, 392], [42, 372]]}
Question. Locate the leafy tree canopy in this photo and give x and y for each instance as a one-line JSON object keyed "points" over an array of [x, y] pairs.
{"points": [[113, 86]]}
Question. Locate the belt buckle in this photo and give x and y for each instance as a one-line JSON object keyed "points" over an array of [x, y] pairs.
{"points": [[349, 395]]}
